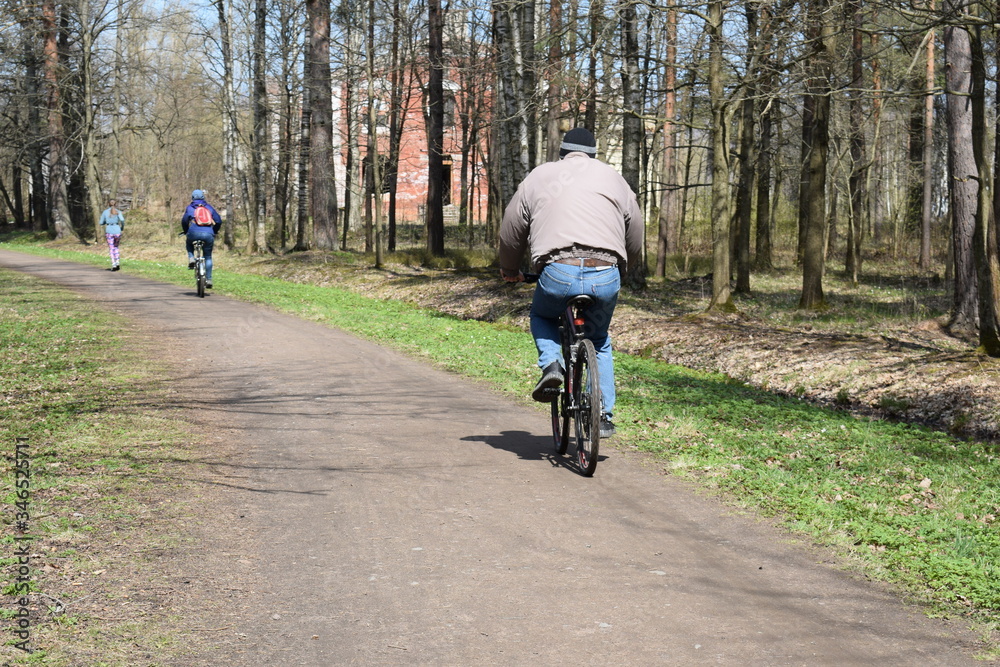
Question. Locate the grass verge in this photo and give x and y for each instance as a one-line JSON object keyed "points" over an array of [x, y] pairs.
{"points": [[909, 505], [80, 522]]}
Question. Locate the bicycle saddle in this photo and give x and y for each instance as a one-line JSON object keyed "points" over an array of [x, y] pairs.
{"points": [[581, 301]]}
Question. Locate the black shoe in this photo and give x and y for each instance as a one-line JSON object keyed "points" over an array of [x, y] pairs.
{"points": [[547, 388], [115, 267], [607, 427], [208, 284], [190, 265]]}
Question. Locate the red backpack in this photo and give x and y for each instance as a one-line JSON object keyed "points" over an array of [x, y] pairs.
{"points": [[202, 216]]}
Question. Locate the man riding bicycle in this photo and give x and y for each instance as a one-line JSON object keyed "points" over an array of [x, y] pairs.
{"points": [[583, 225]]}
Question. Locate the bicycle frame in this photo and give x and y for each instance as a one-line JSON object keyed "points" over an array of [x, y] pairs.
{"points": [[199, 266], [572, 333], [579, 396]]}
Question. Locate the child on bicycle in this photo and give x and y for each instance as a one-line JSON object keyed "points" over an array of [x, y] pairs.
{"points": [[201, 222]]}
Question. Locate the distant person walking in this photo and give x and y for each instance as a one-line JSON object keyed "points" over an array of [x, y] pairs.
{"points": [[201, 222], [113, 222]]}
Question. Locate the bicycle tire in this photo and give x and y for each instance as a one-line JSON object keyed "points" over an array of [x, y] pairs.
{"points": [[199, 269], [588, 404], [560, 424]]}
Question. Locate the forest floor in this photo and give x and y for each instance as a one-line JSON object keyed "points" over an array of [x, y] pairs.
{"points": [[881, 350]]}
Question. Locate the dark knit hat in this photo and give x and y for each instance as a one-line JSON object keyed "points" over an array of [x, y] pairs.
{"points": [[579, 139]]}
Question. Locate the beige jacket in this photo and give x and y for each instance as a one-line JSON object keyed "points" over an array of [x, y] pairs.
{"points": [[575, 207]]}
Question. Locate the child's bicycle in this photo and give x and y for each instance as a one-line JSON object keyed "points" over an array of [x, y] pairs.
{"points": [[579, 397], [199, 267]]}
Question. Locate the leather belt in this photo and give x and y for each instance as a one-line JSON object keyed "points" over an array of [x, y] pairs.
{"points": [[585, 261]]}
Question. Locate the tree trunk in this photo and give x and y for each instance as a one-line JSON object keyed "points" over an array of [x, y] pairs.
{"points": [[395, 115], [596, 18], [34, 84], [60, 226], [302, 232], [875, 192], [667, 240], [986, 251], [763, 258], [509, 157], [721, 290], [928, 153], [808, 124], [529, 65], [554, 96], [435, 130], [764, 108], [748, 158], [324, 193], [118, 97], [92, 177], [286, 135], [354, 189], [258, 210], [632, 126], [374, 156], [962, 169], [814, 245], [228, 124], [856, 183], [744, 196]]}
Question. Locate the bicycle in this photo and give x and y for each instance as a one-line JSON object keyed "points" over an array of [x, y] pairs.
{"points": [[579, 396], [199, 267]]}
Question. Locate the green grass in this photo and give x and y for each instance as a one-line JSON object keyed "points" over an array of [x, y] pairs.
{"points": [[910, 505], [68, 379]]}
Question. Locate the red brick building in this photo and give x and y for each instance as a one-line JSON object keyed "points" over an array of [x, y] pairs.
{"points": [[412, 174]]}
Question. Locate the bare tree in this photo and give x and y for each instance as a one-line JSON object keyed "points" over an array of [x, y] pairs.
{"points": [[962, 168], [553, 131], [374, 155], [435, 128], [667, 240], [632, 124], [353, 187], [322, 185], [986, 250], [60, 225], [303, 236], [819, 67], [258, 210], [748, 156], [510, 154], [721, 290], [858, 177], [927, 158]]}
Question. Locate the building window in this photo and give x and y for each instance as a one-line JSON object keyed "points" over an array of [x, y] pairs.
{"points": [[446, 163]]}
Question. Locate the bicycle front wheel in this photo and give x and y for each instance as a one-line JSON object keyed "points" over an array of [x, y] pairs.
{"points": [[588, 403]]}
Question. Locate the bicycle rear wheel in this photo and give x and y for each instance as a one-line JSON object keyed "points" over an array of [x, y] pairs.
{"points": [[560, 424], [199, 271], [588, 401]]}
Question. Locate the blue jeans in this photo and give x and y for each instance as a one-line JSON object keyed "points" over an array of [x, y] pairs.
{"points": [[205, 234], [556, 284]]}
